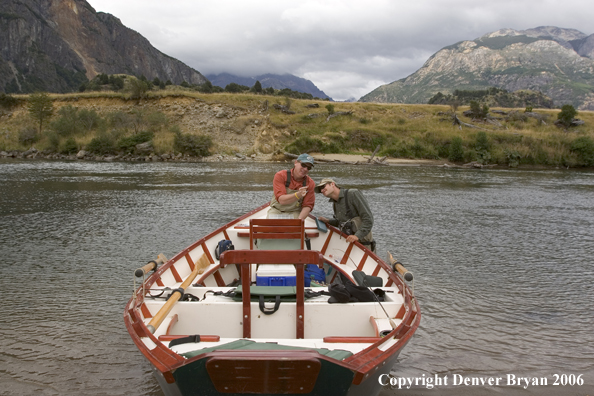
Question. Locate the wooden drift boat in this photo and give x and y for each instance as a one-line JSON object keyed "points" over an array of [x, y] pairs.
{"points": [[253, 321]]}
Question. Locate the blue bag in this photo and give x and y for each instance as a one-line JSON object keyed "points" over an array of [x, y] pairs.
{"points": [[312, 272], [222, 246]]}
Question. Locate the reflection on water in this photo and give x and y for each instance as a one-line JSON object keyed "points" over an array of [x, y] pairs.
{"points": [[502, 259]]}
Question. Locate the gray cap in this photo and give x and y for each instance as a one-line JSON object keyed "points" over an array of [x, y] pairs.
{"points": [[306, 159], [324, 181]]}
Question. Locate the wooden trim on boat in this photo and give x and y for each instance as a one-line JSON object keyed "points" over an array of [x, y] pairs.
{"points": [[248, 257], [203, 338], [327, 242], [351, 340], [190, 261], [362, 262], [205, 249], [145, 311], [175, 274], [345, 257], [172, 323], [219, 278]]}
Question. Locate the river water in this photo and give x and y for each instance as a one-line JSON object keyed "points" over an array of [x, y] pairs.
{"points": [[503, 264]]}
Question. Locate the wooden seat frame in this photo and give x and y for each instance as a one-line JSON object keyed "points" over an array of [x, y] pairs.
{"points": [[245, 259]]}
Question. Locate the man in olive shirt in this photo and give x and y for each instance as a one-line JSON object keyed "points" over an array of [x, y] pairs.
{"points": [[351, 212]]}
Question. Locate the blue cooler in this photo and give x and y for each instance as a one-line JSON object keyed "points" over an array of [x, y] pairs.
{"points": [[276, 275]]}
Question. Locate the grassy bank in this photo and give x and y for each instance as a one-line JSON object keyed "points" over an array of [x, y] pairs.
{"points": [[174, 122]]}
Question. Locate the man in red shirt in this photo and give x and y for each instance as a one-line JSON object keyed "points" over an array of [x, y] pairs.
{"points": [[294, 189]]}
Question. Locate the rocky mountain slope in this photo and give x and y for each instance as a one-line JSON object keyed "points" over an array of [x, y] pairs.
{"points": [[276, 81], [55, 45], [557, 62]]}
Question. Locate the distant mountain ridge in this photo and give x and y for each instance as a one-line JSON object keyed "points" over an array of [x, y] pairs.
{"points": [[55, 45], [276, 81], [555, 61]]}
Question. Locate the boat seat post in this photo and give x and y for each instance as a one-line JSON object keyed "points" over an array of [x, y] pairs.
{"points": [[246, 258]]}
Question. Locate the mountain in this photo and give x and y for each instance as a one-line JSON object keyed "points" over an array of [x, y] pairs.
{"points": [[557, 62], [276, 81], [55, 45]]}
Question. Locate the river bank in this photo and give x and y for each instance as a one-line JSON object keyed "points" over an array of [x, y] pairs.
{"points": [[320, 158]]}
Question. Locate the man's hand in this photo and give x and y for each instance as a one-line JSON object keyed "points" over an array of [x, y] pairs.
{"points": [[352, 238], [302, 192]]}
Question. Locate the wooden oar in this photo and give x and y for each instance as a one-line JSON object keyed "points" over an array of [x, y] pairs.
{"points": [[150, 266], [408, 276], [176, 295]]}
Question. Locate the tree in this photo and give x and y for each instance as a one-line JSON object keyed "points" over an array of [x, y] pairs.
{"points": [[456, 150], [138, 88], [257, 88], [567, 114], [40, 107]]}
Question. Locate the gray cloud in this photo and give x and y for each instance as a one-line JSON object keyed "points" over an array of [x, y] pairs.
{"points": [[346, 47]]}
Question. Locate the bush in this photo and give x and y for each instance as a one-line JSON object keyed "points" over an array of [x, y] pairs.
{"points": [[101, 145], [583, 147], [89, 119], [567, 114], [128, 143], [456, 150], [196, 145], [477, 111], [28, 136], [7, 101], [69, 146], [482, 147], [138, 88], [67, 124], [512, 157]]}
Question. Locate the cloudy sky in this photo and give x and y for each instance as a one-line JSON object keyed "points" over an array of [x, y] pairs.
{"points": [[346, 48]]}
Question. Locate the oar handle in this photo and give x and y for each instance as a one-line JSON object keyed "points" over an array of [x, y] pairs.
{"points": [[397, 266], [177, 294], [150, 266], [408, 276]]}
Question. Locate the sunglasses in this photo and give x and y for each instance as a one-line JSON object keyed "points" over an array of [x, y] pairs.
{"points": [[306, 166]]}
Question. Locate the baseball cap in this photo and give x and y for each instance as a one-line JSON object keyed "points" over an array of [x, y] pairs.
{"points": [[306, 159], [324, 181]]}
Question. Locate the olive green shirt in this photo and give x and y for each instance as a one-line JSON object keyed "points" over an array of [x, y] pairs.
{"points": [[359, 208]]}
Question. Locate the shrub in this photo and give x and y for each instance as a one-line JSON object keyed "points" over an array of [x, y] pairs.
{"points": [[512, 157], [69, 146], [101, 145], [308, 144], [89, 119], [567, 114], [7, 101], [156, 121], [583, 147], [482, 148], [456, 150], [197, 145], [28, 136], [138, 88], [477, 111], [67, 124], [128, 143], [330, 108], [119, 120], [40, 107]]}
